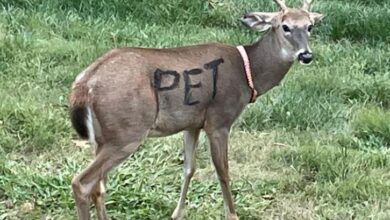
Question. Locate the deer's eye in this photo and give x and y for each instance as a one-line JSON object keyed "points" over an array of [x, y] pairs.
{"points": [[286, 28], [309, 28]]}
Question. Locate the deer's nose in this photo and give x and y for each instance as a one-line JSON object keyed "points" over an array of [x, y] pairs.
{"points": [[305, 57]]}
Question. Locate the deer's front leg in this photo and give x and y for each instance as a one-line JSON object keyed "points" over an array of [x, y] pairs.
{"points": [[219, 153], [190, 143]]}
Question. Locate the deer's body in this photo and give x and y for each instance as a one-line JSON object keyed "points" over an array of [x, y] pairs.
{"points": [[129, 94], [122, 81]]}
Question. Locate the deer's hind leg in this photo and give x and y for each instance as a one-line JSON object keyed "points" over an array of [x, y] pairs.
{"points": [[98, 196], [89, 180], [115, 145]]}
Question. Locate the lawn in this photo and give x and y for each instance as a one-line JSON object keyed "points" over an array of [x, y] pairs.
{"points": [[315, 147]]}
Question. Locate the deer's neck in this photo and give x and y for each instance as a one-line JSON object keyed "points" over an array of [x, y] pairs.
{"points": [[269, 63]]}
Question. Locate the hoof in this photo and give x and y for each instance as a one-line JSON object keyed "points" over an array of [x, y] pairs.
{"points": [[176, 215], [232, 217]]}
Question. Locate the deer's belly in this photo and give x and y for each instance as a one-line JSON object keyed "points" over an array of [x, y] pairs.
{"points": [[171, 122]]}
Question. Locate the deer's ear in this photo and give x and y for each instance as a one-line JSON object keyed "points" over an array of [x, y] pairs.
{"points": [[316, 17], [259, 21]]}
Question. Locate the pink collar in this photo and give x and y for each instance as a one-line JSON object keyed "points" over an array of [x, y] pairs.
{"points": [[248, 72]]}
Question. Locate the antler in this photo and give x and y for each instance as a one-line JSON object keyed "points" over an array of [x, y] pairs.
{"points": [[306, 5], [281, 4]]}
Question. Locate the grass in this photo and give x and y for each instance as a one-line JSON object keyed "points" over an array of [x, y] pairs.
{"points": [[316, 147]]}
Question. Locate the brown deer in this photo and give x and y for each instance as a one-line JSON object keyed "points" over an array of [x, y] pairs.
{"points": [[129, 94]]}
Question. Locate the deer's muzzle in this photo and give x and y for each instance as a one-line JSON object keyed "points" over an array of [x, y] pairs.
{"points": [[305, 57]]}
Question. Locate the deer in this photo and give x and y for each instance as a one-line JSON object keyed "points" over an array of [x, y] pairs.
{"points": [[130, 94]]}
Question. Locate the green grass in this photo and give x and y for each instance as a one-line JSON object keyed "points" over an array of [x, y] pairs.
{"points": [[316, 147]]}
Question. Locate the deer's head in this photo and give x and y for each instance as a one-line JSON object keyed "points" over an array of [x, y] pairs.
{"points": [[292, 27]]}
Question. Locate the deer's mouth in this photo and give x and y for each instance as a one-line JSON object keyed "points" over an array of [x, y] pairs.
{"points": [[305, 58]]}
